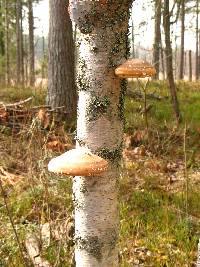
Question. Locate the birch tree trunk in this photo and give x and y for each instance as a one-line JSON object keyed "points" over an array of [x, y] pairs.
{"points": [[103, 27], [61, 77], [31, 56]]}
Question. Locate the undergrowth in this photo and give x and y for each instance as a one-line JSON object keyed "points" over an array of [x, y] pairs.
{"points": [[156, 229]]}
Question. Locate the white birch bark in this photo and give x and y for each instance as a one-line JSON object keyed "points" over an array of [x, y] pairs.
{"points": [[103, 45]]}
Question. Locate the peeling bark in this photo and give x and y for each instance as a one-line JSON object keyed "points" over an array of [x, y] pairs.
{"points": [[103, 27]]}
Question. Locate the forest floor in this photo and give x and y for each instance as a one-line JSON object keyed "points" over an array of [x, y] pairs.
{"points": [[159, 181]]}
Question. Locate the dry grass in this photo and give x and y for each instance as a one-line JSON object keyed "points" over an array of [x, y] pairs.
{"points": [[156, 228]]}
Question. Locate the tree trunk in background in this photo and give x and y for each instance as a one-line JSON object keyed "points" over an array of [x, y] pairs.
{"points": [[61, 78], [103, 27], [169, 60], [181, 70], [43, 55], [157, 38], [19, 36], [2, 42], [132, 36], [175, 57], [190, 65], [185, 63], [31, 51], [26, 60], [21, 48], [162, 59], [7, 47], [197, 42]]}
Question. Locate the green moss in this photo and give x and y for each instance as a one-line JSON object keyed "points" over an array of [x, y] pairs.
{"points": [[97, 107]]}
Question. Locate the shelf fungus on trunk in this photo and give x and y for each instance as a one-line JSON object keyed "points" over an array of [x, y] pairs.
{"points": [[135, 68], [78, 162]]}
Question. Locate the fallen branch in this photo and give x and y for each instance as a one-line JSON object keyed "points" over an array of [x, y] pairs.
{"points": [[56, 109], [33, 249], [39, 107], [136, 94], [16, 104], [12, 115]]}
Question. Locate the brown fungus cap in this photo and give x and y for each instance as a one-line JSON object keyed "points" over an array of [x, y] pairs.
{"points": [[78, 162], [135, 68]]}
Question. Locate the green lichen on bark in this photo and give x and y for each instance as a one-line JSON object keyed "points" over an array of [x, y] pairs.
{"points": [[83, 82], [83, 189], [92, 245], [97, 107], [85, 25], [112, 237], [120, 42], [123, 88], [79, 141], [114, 155], [94, 49]]}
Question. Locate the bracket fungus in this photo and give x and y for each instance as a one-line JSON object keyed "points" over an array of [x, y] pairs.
{"points": [[135, 68], [78, 162]]}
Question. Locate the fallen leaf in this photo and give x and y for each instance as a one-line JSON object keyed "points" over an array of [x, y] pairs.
{"points": [[43, 118], [55, 146], [58, 146], [4, 116]]}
